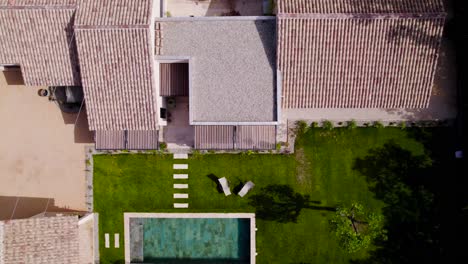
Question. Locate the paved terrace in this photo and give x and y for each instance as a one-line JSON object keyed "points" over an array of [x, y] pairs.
{"points": [[232, 66]]}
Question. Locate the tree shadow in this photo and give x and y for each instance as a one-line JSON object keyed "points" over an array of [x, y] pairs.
{"points": [[215, 178], [282, 204], [419, 207]]}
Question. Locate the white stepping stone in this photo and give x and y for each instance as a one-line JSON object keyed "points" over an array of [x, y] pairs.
{"points": [[180, 186], [180, 166], [180, 156], [180, 195], [116, 241], [180, 205], [180, 176], [106, 240]]}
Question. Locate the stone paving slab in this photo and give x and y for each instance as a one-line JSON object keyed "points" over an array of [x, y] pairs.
{"points": [[180, 186], [180, 195], [180, 166], [116, 240], [180, 176], [180, 205], [106, 240], [180, 156]]}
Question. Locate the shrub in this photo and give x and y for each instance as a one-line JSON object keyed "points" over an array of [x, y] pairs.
{"points": [[278, 146], [402, 125], [211, 151], [124, 151], [168, 14], [314, 124], [249, 152], [196, 154], [301, 127], [88, 162], [351, 124], [163, 146], [328, 125], [378, 124]]}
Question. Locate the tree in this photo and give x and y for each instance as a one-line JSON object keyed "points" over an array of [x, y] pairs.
{"points": [[356, 229]]}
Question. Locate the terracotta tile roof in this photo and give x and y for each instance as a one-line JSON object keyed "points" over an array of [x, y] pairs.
{"points": [[114, 13], [46, 240], [357, 62], [359, 6], [116, 72], [40, 41], [36, 3]]}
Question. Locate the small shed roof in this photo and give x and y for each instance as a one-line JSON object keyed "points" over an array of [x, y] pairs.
{"points": [[46, 240]]}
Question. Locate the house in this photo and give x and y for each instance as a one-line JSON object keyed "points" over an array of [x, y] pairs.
{"points": [[222, 82]]}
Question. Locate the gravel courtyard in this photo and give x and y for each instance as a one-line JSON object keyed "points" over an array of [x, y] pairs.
{"points": [[41, 151]]}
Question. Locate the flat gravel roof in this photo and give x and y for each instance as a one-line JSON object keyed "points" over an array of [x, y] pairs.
{"points": [[233, 67]]}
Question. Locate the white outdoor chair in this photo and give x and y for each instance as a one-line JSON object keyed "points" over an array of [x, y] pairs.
{"points": [[224, 183], [246, 188]]}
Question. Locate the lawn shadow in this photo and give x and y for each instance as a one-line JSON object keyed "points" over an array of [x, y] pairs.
{"points": [[215, 178], [282, 204]]}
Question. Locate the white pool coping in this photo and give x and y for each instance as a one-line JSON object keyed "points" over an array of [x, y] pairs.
{"points": [[253, 228]]}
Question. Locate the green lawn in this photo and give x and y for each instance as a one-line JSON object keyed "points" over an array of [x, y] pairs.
{"points": [[321, 167]]}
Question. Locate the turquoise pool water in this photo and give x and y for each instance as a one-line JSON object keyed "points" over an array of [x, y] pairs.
{"points": [[200, 240]]}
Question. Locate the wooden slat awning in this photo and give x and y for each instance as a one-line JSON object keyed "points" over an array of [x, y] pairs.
{"points": [[235, 137], [174, 79], [214, 137], [131, 140]]}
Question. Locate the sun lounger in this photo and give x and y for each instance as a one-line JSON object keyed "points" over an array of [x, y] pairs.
{"points": [[225, 185], [247, 187]]}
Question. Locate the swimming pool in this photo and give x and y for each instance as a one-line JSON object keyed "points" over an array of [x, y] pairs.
{"points": [[190, 238]]}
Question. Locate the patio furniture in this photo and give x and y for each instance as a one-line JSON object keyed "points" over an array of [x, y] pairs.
{"points": [[246, 188], [42, 92], [171, 102], [225, 185]]}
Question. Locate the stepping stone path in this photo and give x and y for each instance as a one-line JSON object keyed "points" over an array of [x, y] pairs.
{"points": [[179, 178]]}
